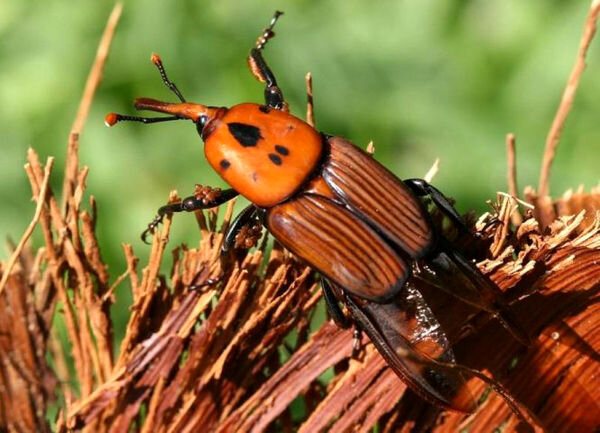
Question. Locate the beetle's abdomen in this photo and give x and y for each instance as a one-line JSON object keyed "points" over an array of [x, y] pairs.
{"points": [[263, 153], [378, 196]]}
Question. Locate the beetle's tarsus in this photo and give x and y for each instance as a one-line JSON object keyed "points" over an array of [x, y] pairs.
{"points": [[494, 221], [261, 71], [208, 282], [356, 341], [151, 228], [204, 197], [268, 32]]}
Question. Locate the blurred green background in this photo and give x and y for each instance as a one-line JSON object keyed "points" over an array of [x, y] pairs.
{"points": [[423, 79]]}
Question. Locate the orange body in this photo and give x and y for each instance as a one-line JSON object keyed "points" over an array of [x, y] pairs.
{"points": [[264, 154]]}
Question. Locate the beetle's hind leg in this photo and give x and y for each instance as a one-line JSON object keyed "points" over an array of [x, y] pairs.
{"points": [[204, 198], [423, 188], [484, 293], [259, 68]]}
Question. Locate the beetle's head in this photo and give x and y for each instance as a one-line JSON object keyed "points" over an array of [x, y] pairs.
{"points": [[201, 115]]}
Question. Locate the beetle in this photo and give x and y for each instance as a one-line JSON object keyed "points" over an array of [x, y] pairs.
{"points": [[364, 230]]}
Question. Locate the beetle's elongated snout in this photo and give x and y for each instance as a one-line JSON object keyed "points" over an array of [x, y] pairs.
{"points": [[185, 110], [198, 113]]}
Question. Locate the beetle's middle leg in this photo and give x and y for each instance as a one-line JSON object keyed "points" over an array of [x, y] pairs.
{"points": [[204, 198], [246, 218], [259, 68], [339, 317], [333, 307]]}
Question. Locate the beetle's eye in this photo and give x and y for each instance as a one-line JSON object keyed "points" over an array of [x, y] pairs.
{"points": [[201, 122]]}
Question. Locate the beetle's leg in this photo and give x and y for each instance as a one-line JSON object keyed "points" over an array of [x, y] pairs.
{"points": [[208, 282], [155, 59], [244, 219], [339, 317], [204, 198], [491, 297], [262, 72], [356, 340], [333, 307], [423, 188]]}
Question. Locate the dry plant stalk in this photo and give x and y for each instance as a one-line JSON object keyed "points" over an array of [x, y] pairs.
{"points": [[234, 356], [568, 98]]}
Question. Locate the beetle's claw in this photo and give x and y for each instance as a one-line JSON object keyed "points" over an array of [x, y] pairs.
{"points": [[208, 282], [144, 236], [151, 227], [492, 222], [200, 281]]}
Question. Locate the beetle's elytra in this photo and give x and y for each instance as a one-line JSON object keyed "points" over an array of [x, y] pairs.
{"points": [[351, 219]]}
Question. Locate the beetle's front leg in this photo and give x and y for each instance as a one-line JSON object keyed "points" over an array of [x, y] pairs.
{"points": [[423, 188], [203, 198], [259, 68]]}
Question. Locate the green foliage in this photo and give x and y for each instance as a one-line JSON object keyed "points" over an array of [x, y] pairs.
{"points": [[423, 79]]}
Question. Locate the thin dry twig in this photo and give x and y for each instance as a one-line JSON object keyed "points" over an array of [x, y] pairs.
{"points": [[435, 167], [511, 175], [370, 148], [93, 80], [310, 110], [568, 97], [511, 165], [29, 231]]}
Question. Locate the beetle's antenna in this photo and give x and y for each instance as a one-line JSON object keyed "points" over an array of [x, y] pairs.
{"points": [[112, 119], [267, 33], [155, 59]]}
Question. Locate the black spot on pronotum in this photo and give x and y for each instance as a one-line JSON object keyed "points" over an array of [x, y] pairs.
{"points": [[264, 108], [254, 177], [282, 150], [246, 135], [275, 158], [224, 164]]}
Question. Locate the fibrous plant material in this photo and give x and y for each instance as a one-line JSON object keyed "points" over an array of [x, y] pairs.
{"points": [[247, 354], [212, 357]]}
